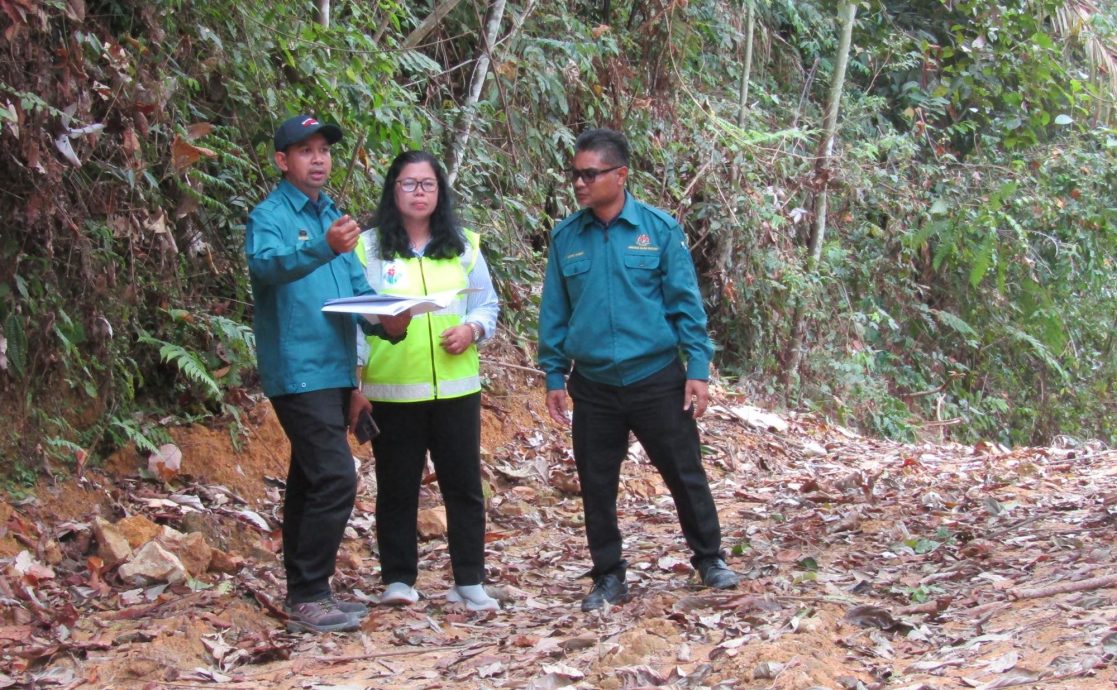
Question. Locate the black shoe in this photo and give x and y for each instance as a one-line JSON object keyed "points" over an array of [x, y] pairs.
{"points": [[609, 587], [716, 575]]}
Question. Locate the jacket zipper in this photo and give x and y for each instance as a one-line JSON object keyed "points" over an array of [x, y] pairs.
{"points": [[430, 333]]}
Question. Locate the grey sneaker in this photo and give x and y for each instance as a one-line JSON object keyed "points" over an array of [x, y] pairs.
{"points": [[399, 594], [474, 597], [319, 616]]}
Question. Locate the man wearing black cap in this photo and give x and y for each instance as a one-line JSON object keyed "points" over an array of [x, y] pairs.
{"points": [[299, 249]]}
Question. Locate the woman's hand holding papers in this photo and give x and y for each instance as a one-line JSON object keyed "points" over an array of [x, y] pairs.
{"points": [[396, 325]]}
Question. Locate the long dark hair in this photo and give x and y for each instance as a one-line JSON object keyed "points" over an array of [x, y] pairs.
{"points": [[447, 238]]}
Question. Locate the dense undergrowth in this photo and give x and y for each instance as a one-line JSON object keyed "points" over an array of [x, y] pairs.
{"points": [[965, 286]]}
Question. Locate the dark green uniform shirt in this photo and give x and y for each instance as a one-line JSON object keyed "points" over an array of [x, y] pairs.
{"points": [[620, 302]]}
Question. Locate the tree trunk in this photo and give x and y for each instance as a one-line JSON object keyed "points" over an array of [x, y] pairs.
{"points": [[822, 166], [324, 12], [480, 72], [746, 75], [743, 105], [847, 12], [415, 37]]}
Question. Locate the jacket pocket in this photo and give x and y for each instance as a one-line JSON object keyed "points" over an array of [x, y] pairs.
{"points": [[575, 276], [648, 261], [574, 268]]}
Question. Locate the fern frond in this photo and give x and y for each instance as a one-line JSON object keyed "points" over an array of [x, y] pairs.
{"points": [[958, 325], [131, 430], [189, 364], [233, 331], [1041, 351], [210, 180]]}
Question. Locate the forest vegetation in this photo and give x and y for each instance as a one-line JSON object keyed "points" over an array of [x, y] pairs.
{"points": [[903, 212]]}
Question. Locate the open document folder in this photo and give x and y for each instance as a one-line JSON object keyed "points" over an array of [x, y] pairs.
{"points": [[393, 305]]}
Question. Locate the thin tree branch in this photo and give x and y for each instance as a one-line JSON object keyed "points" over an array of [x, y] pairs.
{"points": [[427, 25]]}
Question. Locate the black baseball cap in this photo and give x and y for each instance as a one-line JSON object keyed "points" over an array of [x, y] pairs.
{"points": [[299, 127]]}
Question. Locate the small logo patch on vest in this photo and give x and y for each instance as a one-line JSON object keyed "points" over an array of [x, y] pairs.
{"points": [[392, 274], [303, 235], [643, 240]]}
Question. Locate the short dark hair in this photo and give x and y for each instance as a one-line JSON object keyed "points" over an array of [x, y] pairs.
{"points": [[610, 143], [447, 238]]}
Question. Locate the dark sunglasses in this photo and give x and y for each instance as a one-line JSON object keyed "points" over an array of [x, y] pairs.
{"points": [[589, 174]]}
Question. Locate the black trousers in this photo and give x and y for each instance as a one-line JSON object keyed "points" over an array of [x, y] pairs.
{"points": [[653, 410], [321, 488], [451, 430]]}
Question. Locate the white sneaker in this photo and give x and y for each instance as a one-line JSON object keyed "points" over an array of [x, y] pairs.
{"points": [[474, 597], [399, 594]]}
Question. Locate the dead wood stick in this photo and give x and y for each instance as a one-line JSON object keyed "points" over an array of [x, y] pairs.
{"points": [[933, 606], [690, 188], [339, 199], [506, 365], [1080, 586], [380, 655], [991, 607], [841, 601], [266, 447], [1016, 525], [944, 422], [245, 682], [1092, 455]]}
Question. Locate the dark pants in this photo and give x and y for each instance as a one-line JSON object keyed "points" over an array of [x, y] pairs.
{"points": [[451, 430], [321, 488], [653, 410]]}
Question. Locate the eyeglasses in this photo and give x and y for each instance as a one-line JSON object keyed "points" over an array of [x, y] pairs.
{"points": [[410, 184], [589, 174]]}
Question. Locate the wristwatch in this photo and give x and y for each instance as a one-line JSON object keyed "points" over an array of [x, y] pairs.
{"points": [[477, 330]]}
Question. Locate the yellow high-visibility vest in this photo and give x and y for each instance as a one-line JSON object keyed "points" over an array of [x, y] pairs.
{"points": [[417, 368]]}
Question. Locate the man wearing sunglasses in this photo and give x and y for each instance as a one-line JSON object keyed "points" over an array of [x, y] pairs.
{"points": [[620, 301]]}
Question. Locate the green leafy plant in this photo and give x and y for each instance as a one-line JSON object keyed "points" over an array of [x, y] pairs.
{"points": [[188, 363], [964, 289]]}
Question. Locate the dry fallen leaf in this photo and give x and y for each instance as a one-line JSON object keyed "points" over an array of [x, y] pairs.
{"points": [[184, 154]]}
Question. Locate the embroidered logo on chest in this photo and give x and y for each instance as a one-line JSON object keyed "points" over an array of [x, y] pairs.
{"points": [[643, 243]]}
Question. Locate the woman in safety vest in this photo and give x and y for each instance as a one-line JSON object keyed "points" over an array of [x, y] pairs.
{"points": [[426, 389]]}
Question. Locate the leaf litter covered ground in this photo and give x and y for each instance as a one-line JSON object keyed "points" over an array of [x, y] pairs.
{"points": [[865, 564]]}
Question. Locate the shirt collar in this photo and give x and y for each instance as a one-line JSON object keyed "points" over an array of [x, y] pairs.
{"points": [[299, 200], [627, 214]]}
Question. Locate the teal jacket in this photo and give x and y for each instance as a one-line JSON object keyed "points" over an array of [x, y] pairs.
{"points": [[300, 348], [621, 301]]}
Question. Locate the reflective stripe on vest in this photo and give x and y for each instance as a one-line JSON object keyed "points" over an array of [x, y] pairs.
{"points": [[417, 368], [402, 392]]}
